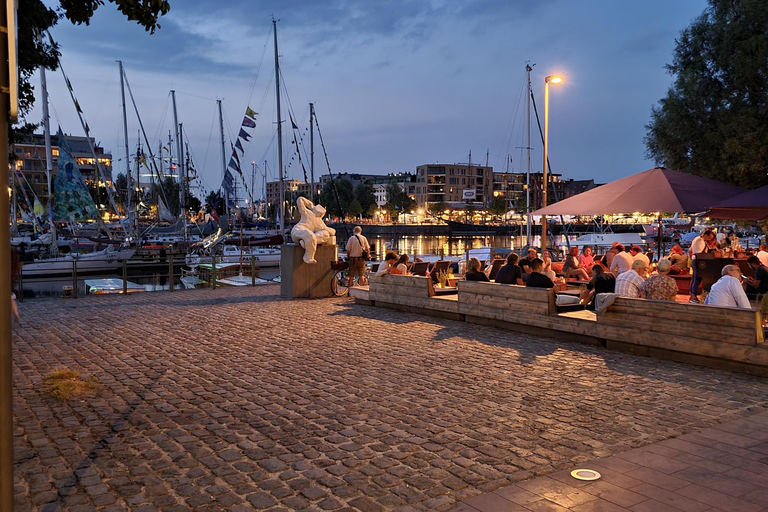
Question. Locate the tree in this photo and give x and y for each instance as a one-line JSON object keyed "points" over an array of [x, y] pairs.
{"points": [[345, 195], [34, 18], [437, 209], [497, 207], [366, 197], [355, 209], [399, 201], [712, 122], [170, 193]]}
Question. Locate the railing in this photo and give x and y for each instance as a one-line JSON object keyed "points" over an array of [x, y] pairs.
{"points": [[211, 276]]}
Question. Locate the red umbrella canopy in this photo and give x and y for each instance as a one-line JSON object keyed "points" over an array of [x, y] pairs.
{"points": [[655, 190], [752, 205]]}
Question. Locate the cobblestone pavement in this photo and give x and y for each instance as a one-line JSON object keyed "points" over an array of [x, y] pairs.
{"points": [[235, 399]]}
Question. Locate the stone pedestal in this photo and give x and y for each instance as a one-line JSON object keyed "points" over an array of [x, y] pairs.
{"points": [[299, 280]]}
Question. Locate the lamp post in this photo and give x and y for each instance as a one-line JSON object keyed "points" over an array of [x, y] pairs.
{"points": [[555, 80]]}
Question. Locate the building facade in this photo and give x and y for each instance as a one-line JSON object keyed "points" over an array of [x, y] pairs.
{"points": [[513, 185], [453, 184], [30, 161]]}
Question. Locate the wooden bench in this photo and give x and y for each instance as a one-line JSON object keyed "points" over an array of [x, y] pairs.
{"points": [[730, 334], [411, 293]]}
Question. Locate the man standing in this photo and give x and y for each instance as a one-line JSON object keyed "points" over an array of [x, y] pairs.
{"points": [[622, 262], [358, 250], [727, 292], [757, 285], [698, 246], [510, 273], [630, 283]]}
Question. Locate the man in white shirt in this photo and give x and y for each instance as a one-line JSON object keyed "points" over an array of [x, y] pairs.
{"points": [[762, 254], [698, 246], [727, 291], [358, 250], [622, 262], [637, 254], [630, 283]]}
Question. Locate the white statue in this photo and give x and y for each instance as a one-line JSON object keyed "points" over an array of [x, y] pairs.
{"points": [[311, 230]]}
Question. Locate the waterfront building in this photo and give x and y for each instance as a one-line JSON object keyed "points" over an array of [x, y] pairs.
{"points": [[512, 186], [29, 161], [453, 184]]}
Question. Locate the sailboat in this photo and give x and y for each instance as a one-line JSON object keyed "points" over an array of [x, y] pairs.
{"points": [[73, 202]]}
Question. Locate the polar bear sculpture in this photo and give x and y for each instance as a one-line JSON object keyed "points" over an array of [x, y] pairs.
{"points": [[311, 230]]}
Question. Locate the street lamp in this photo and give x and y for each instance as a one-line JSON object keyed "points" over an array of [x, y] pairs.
{"points": [[555, 80]]}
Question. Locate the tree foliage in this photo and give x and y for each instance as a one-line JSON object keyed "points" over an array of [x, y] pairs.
{"points": [[34, 18], [712, 122], [497, 207], [398, 201]]}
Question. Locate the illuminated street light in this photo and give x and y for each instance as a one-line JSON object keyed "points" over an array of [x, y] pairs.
{"points": [[555, 80]]}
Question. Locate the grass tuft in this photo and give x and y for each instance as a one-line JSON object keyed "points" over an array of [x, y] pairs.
{"points": [[68, 384]]}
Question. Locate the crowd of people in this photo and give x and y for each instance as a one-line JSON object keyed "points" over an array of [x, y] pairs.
{"points": [[626, 272]]}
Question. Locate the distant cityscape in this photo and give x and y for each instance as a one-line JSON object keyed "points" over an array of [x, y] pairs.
{"points": [[456, 185]]}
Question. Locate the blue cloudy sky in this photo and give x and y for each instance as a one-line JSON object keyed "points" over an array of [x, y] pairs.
{"points": [[396, 83]]}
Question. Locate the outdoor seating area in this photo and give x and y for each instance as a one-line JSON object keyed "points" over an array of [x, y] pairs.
{"points": [[721, 337]]}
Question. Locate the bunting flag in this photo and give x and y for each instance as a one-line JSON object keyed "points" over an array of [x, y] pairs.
{"points": [[237, 158], [250, 113], [228, 183], [293, 124], [71, 197], [244, 135], [239, 146], [248, 122]]}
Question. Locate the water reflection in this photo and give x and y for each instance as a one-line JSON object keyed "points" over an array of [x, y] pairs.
{"points": [[449, 247]]}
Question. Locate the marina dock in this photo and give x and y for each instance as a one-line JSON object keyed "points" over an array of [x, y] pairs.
{"points": [[237, 399]]}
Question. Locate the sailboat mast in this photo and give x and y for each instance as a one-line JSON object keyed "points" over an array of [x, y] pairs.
{"points": [[223, 156], [312, 149], [281, 190], [179, 156], [48, 158], [528, 70], [127, 154]]}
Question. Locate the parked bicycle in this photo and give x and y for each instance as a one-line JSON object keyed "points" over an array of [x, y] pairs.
{"points": [[340, 278]]}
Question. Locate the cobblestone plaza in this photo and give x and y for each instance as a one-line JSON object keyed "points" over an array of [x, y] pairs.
{"points": [[236, 399]]}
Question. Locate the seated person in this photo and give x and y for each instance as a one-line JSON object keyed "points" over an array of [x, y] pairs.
{"points": [[601, 282], [474, 273], [510, 273], [546, 268], [610, 254], [536, 279], [661, 286], [622, 261], [727, 292], [572, 268], [388, 264], [630, 283], [586, 260], [402, 264], [679, 260], [525, 263], [757, 285], [637, 254]]}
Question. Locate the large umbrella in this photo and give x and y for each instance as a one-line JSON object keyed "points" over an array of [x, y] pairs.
{"points": [[752, 205], [655, 190]]}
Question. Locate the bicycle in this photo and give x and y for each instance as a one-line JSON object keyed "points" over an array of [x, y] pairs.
{"points": [[340, 278]]}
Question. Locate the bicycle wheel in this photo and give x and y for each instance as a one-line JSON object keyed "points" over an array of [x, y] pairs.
{"points": [[340, 283]]}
